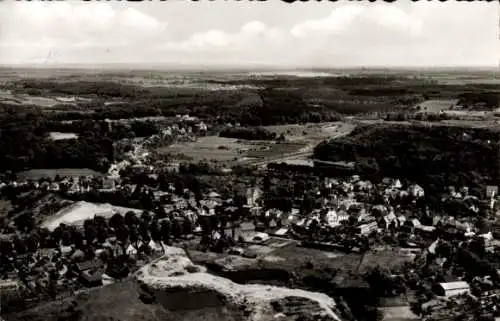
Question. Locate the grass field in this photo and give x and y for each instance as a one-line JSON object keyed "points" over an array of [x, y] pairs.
{"points": [[221, 149], [209, 148], [62, 136], [36, 174], [437, 105], [118, 301], [387, 258]]}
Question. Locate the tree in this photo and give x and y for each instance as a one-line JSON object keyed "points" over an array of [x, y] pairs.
{"points": [[266, 183], [176, 229], [146, 217], [166, 229], [122, 234], [187, 227], [6, 248], [90, 231], [78, 238], [155, 231], [25, 222], [116, 221], [130, 218], [56, 235], [66, 237], [134, 235], [100, 221]]}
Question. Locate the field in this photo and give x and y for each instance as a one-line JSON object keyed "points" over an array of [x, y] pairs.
{"points": [[118, 301], [299, 139], [61, 136], [35, 174], [7, 96], [310, 131], [78, 212], [221, 149], [437, 105], [209, 148], [386, 258]]}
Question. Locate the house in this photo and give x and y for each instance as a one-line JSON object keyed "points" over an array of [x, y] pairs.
{"points": [[65, 250], [387, 220], [396, 184], [368, 228], [491, 191], [416, 191], [109, 183], [281, 232], [260, 237], [432, 248], [8, 287], [92, 277], [47, 253], [88, 265], [253, 194], [425, 230], [449, 289]]}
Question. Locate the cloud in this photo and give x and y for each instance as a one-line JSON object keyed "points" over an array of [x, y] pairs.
{"points": [[30, 30], [346, 17], [344, 34], [250, 34]]}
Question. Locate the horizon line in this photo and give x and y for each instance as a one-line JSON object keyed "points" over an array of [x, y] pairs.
{"points": [[222, 67]]}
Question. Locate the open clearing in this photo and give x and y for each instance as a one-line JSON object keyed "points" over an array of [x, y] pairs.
{"points": [[437, 105], [78, 212], [118, 301], [208, 148], [35, 174], [310, 131], [223, 149], [299, 139], [62, 136], [175, 272]]}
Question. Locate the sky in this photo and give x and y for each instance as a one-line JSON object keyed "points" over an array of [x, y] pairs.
{"points": [[248, 33]]}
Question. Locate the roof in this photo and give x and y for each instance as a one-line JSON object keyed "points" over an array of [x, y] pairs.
{"points": [[448, 286], [89, 264], [93, 277], [262, 235]]}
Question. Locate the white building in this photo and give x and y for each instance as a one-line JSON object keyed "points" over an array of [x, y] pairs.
{"points": [[449, 289]]}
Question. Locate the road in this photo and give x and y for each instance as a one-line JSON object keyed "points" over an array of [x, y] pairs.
{"points": [[305, 152]]}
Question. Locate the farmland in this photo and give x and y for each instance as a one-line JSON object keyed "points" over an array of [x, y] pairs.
{"points": [[437, 105], [299, 139]]}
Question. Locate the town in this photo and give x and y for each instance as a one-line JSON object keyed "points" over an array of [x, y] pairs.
{"points": [[66, 235]]}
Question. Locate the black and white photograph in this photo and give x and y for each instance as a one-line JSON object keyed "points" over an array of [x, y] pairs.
{"points": [[249, 160]]}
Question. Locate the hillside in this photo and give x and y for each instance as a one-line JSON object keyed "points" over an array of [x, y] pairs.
{"points": [[434, 156]]}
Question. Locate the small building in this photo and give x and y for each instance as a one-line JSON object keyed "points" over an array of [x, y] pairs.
{"points": [[92, 277], [47, 253], [8, 287], [449, 289], [387, 220], [253, 194], [365, 229], [260, 237], [491, 191], [88, 265]]}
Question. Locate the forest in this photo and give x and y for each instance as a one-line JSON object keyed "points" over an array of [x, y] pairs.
{"points": [[248, 133], [433, 156], [258, 102]]}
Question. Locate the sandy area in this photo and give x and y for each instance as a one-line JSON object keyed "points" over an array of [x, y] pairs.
{"points": [[171, 271], [80, 211]]}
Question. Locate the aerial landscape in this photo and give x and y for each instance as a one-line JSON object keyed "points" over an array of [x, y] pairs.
{"points": [[200, 191]]}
